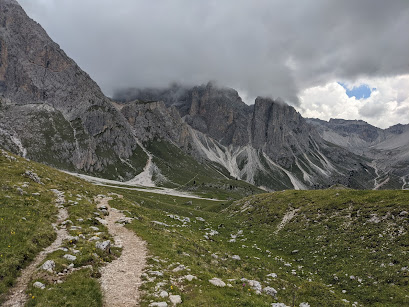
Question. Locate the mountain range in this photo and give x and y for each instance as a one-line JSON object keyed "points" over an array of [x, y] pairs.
{"points": [[51, 111]]}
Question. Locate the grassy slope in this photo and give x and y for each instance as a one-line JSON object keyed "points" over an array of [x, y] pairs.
{"points": [[25, 229], [336, 237]]}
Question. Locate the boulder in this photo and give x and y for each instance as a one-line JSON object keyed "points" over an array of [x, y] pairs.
{"points": [[49, 266], [39, 285], [217, 282], [175, 299], [105, 245]]}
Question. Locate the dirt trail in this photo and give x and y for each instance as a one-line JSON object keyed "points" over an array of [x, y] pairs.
{"points": [[18, 296], [120, 279]]}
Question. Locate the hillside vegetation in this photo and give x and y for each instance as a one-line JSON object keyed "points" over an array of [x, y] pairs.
{"points": [[318, 248]]}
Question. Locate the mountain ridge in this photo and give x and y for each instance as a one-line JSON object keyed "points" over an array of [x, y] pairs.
{"points": [[54, 113]]}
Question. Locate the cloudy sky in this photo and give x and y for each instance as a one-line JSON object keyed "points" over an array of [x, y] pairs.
{"points": [[342, 59]]}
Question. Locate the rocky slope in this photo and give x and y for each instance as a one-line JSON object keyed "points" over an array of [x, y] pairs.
{"points": [[387, 148], [52, 111], [267, 144]]}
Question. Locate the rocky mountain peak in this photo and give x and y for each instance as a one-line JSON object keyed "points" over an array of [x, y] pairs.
{"points": [[51, 108]]}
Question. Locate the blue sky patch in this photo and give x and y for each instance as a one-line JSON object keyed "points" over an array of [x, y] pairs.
{"points": [[359, 92]]}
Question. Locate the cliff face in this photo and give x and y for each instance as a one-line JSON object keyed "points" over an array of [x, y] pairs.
{"points": [[272, 126], [53, 109]]}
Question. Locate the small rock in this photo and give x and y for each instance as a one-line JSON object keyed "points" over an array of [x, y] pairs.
{"points": [[39, 285], [70, 257], [94, 228], [124, 220], [105, 245], [158, 304], [49, 266], [175, 299], [304, 304], [236, 257], [278, 305], [155, 273], [217, 282], [179, 268], [33, 176], [273, 275], [190, 277], [295, 251], [270, 291], [163, 294]]}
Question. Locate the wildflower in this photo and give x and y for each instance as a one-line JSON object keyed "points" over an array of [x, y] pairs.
{"points": [[33, 297]]}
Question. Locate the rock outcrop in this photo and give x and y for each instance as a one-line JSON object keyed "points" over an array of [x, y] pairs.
{"points": [[52, 111]]}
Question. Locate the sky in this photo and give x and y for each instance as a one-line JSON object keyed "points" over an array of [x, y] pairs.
{"points": [[328, 58]]}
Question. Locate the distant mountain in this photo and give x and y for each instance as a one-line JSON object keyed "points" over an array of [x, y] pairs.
{"points": [[202, 137], [387, 148]]}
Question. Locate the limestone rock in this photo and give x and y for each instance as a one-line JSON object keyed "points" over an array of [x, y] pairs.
{"points": [[104, 246], [49, 266], [217, 282], [39, 285], [175, 299]]}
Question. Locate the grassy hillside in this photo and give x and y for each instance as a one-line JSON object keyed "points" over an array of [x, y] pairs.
{"points": [[27, 211], [324, 248]]}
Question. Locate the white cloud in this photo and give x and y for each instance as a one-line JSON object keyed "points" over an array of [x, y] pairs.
{"points": [[388, 104]]}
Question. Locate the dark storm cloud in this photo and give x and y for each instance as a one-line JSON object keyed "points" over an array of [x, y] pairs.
{"points": [[269, 48]]}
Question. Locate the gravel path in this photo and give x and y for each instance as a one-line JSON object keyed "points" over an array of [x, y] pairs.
{"points": [[120, 279]]}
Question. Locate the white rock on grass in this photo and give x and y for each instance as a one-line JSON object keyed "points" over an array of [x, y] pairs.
{"points": [[39, 285], [158, 304], [70, 257], [236, 257], [94, 228], [190, 277], [273, 275], [179, 268], [304, 305], [104, 246], [270, 291], [217, 282], [279, 305], [254, 284], [49, 266], [175, 299], [163, 294]]}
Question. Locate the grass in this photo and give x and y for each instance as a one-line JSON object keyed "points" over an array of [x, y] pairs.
{"points": [[340, 247], [27, 211]]}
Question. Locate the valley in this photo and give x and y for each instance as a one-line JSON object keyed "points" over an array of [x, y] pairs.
{"points": [[186, 195]]}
